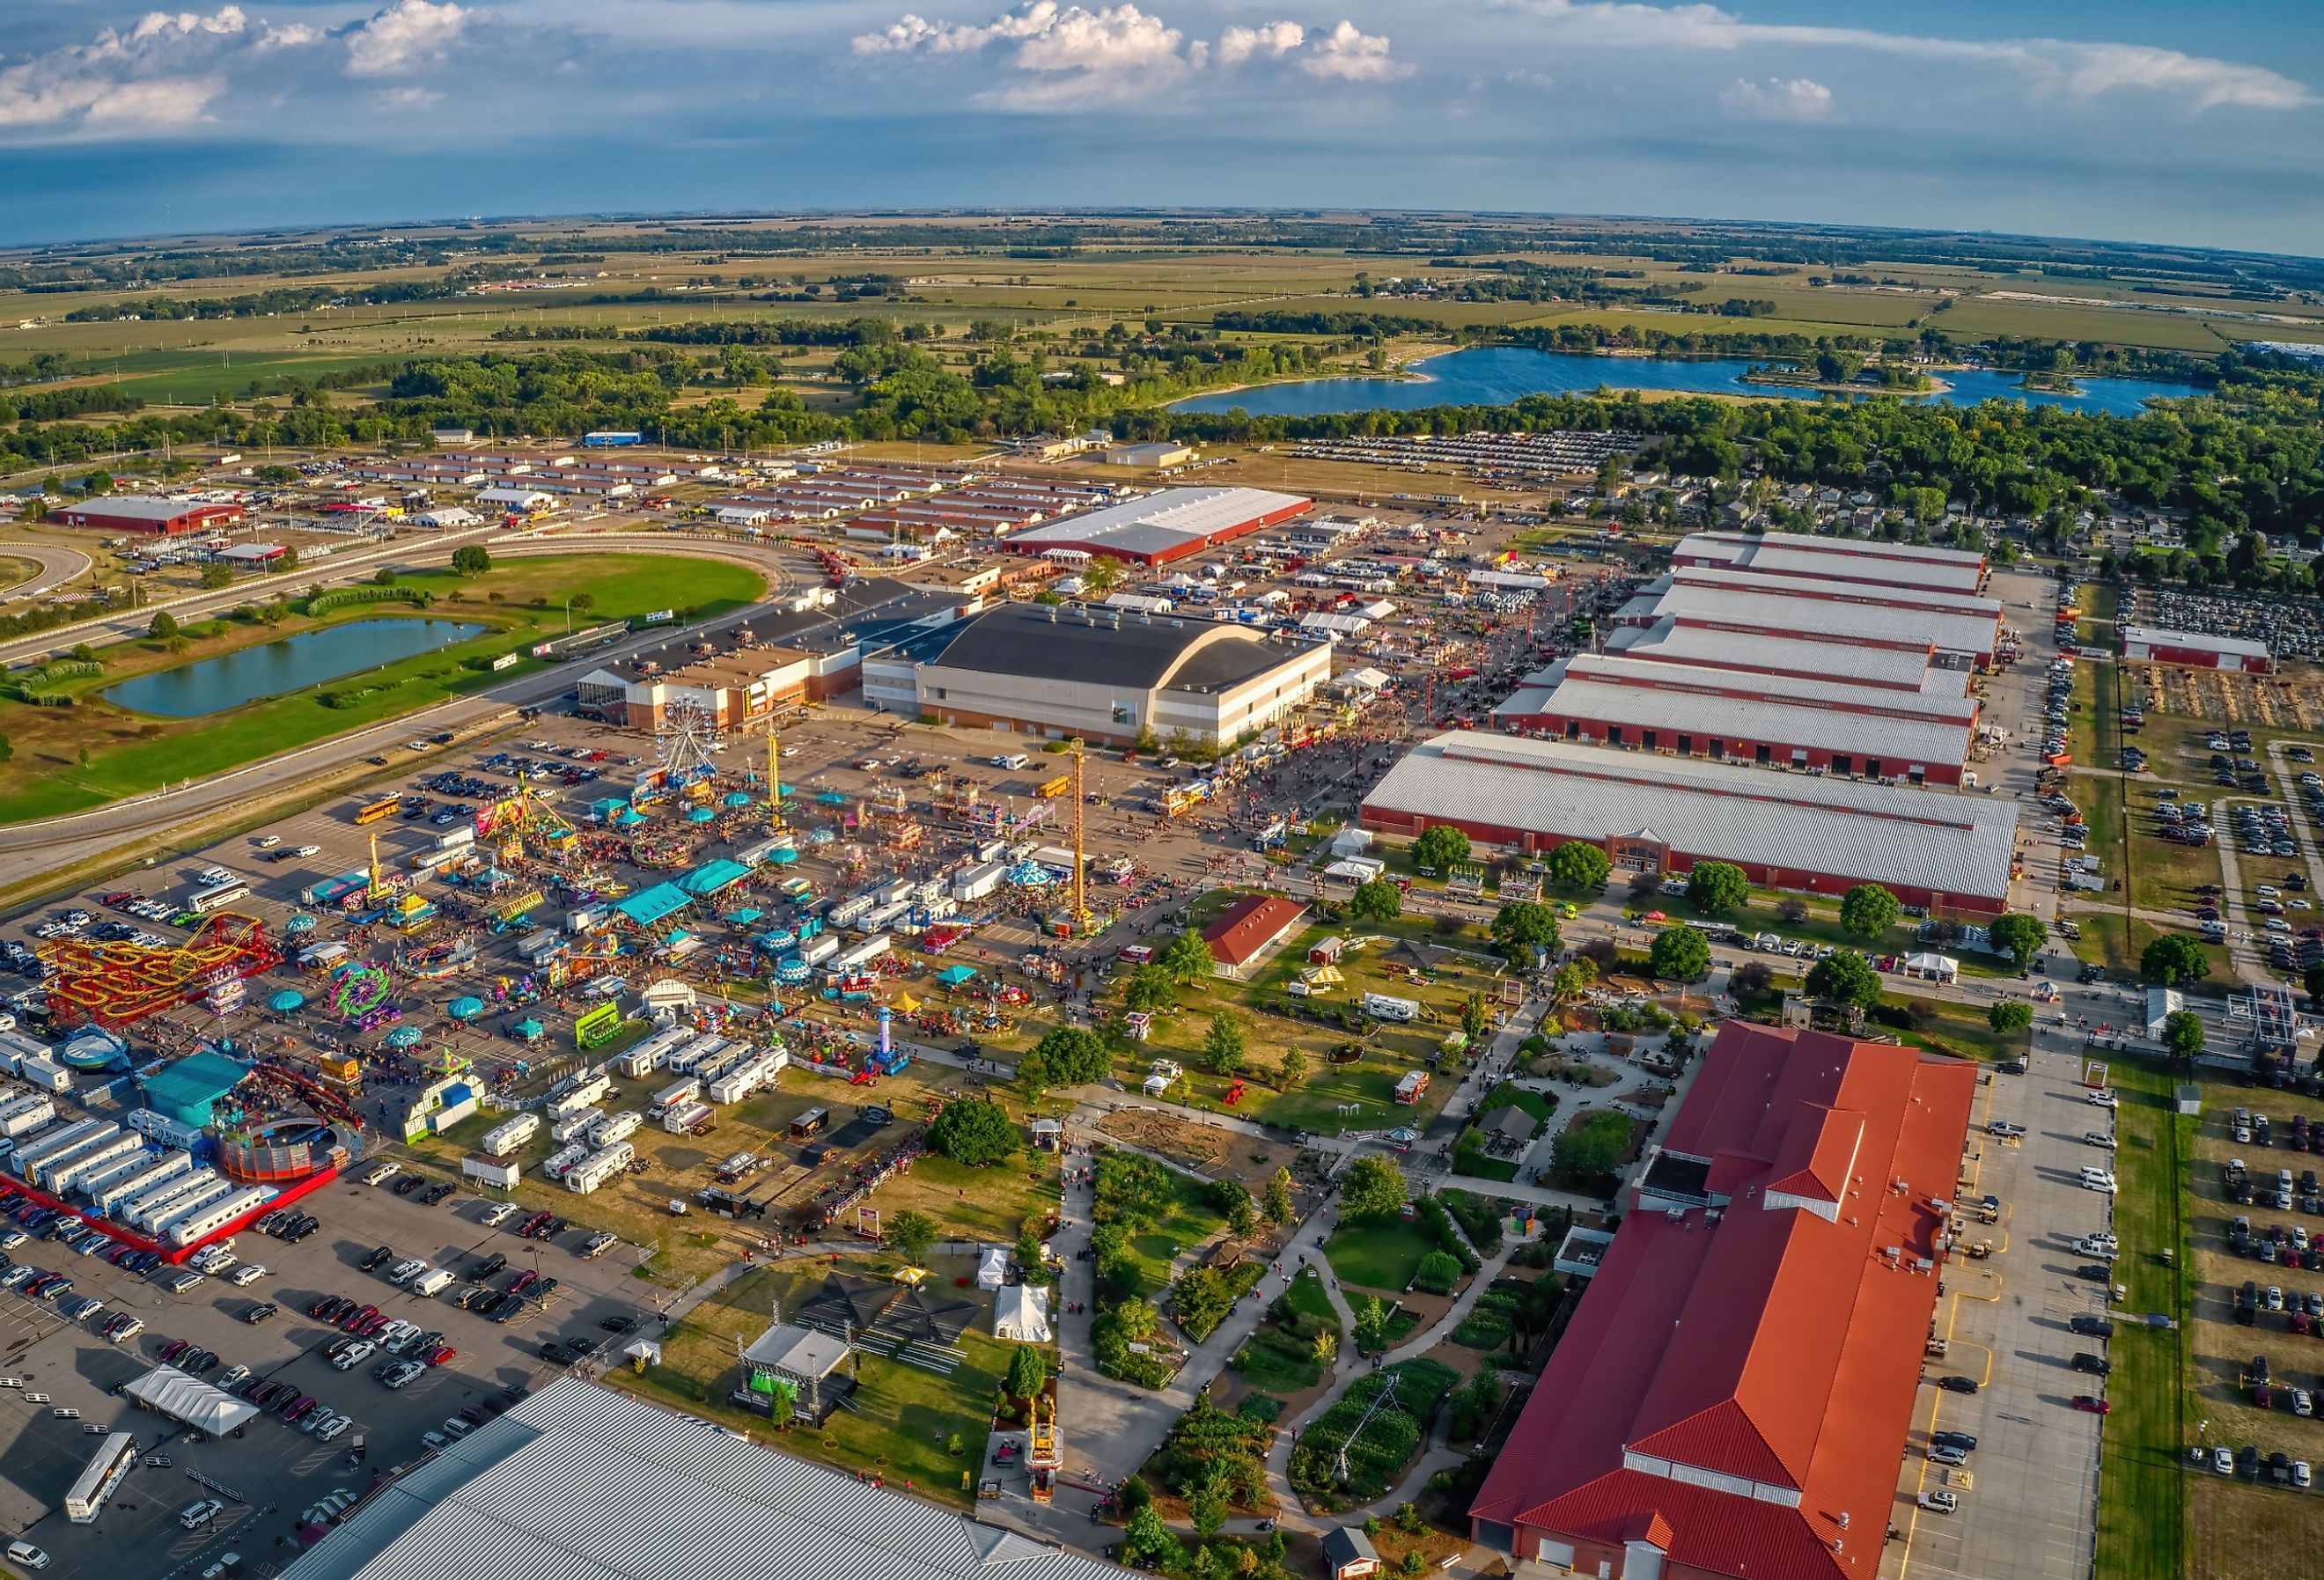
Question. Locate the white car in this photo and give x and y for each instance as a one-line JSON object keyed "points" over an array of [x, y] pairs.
{"points": [[2223, 1462], [2103, 1097], [354, 1355], [1940, 1501], [25, 1556], [333, 1427], [232, 1377], [2098, 1179], [308, 850], [268, 841], [500, 1213], [199, 1512], [247, 1274]]}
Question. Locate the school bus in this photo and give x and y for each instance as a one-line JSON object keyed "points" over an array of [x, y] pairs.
{"points": [[1055, 788], [373, 811]]}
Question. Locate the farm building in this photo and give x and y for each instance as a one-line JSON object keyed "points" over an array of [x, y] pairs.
{"points": [[1905, 668], [1735, 1392], [1248, 930], [1949, 852], [137, 512], [1162, 527], [1152, 453], [1852, 559], [1963, 630], [2196, 649]]}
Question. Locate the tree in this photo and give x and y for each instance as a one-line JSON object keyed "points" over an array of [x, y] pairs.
{"points": [[1222, 1045], [1752, 976], [1378, 901], [2019, 936], [1372, 1188], [973, 1132], [163, 627], [2175, 958], [1150, 988], [1867, 911], [1845, 978], [1243, 1218], [215, 577], [1101, 576], [384, 577], [1033, 1267], [288, 560], [910, 1234], [1573, 978], [1371, 1323], [1293, 1067], [1277, 1206], [2313, 980], [2008, 1015], [1475, 1020], [1187, 958], [1577, 866], [471, 560], [98, 483], [1029, 1372], [1522, 926], [1146, 1542], [583, 602], [2183, 1034], [1441, 847], [1207, 1505], [1591, 1157], [1033, 1075], [1718, 887], [1074, 1057], [1679, 954]]}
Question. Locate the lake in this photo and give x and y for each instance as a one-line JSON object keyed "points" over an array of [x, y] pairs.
{"points": [[292, 664], [1496, 376]]}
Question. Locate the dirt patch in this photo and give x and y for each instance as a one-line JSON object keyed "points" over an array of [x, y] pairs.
{"points": [[2251, 1532], [1215, 1154]]}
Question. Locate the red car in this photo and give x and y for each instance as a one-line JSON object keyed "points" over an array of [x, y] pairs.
{"points": [[441, 1356], [354, 1319], [2092, 1403]]}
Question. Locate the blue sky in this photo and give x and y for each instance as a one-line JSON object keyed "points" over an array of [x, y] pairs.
{"points": [[2193, 124]]}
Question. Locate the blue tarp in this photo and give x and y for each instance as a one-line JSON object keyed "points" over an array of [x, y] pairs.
{"points": [[711, 877], [654, 904]]}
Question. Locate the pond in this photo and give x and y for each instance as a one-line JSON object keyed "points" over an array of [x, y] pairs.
{"points": [[1496, 376], [292, 664]]}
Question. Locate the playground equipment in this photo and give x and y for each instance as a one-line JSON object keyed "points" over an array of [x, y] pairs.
{"points": [[115, 985]]}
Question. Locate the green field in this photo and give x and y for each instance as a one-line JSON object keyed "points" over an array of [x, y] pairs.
{"points": [[1380, 1256], [66, 760]]}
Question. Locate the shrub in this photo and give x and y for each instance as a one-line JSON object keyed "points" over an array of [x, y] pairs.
{"points": [[1439, 1273]]}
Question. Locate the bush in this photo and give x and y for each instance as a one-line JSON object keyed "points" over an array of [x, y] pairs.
{"points": [[973, 1132], [1439, 1273]]}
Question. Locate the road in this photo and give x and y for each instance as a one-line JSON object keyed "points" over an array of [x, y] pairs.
{"points": [[54, 565], [29, 849]]}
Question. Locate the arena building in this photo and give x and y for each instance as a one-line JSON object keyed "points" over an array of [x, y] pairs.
{"points": [[1951, 854], [1159, 527], [1847, 559], [1821, 725], [1733, 1397], [1110, 675], [137, 512]]}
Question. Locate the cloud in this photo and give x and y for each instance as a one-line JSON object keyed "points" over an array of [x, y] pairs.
{"points": [[404, 37], [166, 70], [408, 97], [1272, 39], [1352, 56], [1778, 100], [2070, 67]]}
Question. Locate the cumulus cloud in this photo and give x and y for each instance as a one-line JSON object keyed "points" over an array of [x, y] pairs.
{"points": [[404, 37], [2070, 67], [1072, 54], [1273, 39], [1352, 55], [1775, 99], [165, 70]]}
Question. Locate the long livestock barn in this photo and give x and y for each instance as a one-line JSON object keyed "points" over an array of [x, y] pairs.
{"points": [[1962, 630], [2196, 649], [1162, 527], [1907, 667], [1946, 852], [1826, 726], [1849, 559]]}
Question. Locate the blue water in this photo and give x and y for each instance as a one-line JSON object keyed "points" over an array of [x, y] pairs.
{"points": [[1496, 376], [292, 664]]}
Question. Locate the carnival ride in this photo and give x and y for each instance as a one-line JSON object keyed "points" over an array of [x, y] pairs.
{"points": [[116, 985]]}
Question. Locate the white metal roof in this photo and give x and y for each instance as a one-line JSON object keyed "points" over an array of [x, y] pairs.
{"points": [[800, 1351], [2200, 641], [1162, 522], [579, 1482], [1898, 742], [1885, 834], [1780, 612], [1781, 653], [188, 1399], [1834, 689], [1846, 592], [1916, 565]]}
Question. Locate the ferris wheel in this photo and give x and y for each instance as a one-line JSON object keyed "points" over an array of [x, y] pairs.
{"points": [[685, 747]]}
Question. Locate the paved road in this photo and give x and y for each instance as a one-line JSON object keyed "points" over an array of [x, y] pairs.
{"points": [[54, 565], [28, 849]]}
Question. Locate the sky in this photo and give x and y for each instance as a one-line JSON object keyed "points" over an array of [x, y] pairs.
{"points": [[2130, 119]]}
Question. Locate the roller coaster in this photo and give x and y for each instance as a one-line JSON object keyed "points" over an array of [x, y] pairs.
{"points": [[117, 984]]}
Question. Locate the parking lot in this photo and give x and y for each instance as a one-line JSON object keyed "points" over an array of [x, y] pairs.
{"points": [[271, 1472], [2031, 1509]]}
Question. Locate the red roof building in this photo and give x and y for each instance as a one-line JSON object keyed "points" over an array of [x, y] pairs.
{"points": [[1732, 1397], [1248, 930], [166, 518]]}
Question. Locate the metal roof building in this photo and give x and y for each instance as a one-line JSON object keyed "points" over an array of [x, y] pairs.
{"points": [[1966, 630], [1165, 526], [579, 1482], [1733, 1395], [140, 513], [1772, 652], [1824, 835], [1861, 560], [1827, 725], [2198, 649]]}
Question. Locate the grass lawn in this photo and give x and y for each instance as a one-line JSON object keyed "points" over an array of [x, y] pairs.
{"points": [[129, 753], [1189, 1222], [1963, 1029], [903, 1417], [987, 1203], [1380, 1256], [2141, 1530]]}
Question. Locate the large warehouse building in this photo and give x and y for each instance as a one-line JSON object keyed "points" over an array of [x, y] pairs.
{"points": [[1952, 853], [1733, 1396], [1162, 527], [1822, 725], [1903, 668], [579, 1482], [1854, 560], [2196, 649], [1108, 675], [1962, 630], [162, 518]]}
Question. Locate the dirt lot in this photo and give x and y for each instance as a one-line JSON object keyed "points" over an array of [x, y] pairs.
{"points": [[1213, 1152]]}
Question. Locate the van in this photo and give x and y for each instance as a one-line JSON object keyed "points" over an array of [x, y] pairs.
{"points": [[431, 1282]]}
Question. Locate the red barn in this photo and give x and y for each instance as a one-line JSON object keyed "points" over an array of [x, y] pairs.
{"points": [[162, 518]]}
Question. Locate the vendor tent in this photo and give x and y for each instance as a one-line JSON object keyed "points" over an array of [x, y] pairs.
{"points": [[955, 976], [739, 798], [701, 814], [655, 904], [404, 1036], [991, 1267], [300, 923], [1935, 967], [288, 1000], [529, 1029], [783, 858], [465, 1008], [168, 1391], [1021, 1312], [711, 877]]}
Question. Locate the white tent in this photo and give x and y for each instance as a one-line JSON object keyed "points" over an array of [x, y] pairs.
{"points": [[991, 1267], [1935, 966], [1022, 1313], [181, 1398]]}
